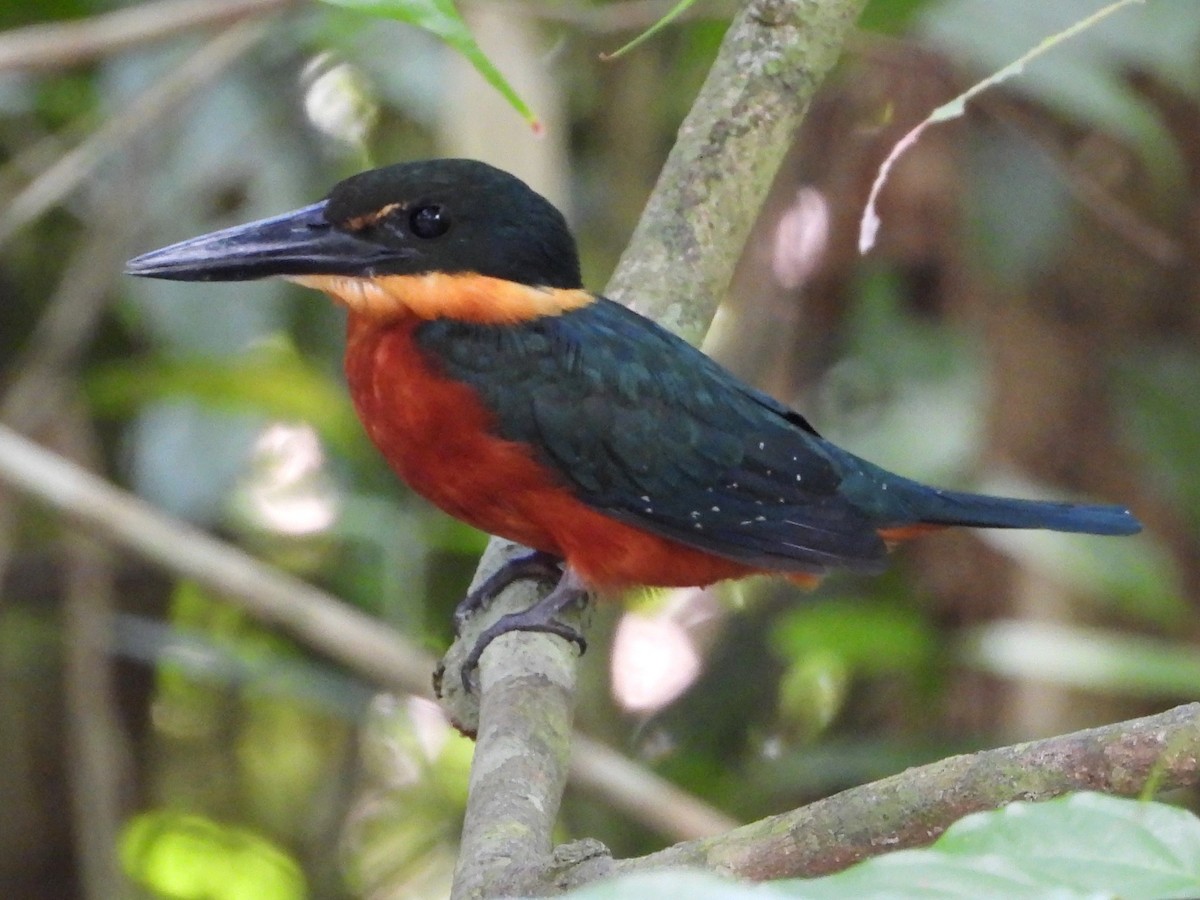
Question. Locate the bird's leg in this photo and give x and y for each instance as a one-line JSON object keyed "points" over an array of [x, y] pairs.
{"points": [[534, 564], [542, 616]]}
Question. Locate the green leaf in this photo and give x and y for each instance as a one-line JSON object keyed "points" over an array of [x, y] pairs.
{"points": [[1081, 847], [190, 857], [1089, 841], [671, 15], [440, 18], [682, 884], [813, 691]]}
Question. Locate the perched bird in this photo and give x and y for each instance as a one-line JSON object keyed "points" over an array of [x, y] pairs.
{"points": [[508, 395]]}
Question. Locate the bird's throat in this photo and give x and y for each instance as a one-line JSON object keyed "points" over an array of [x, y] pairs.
{"points": [[438, 295]]}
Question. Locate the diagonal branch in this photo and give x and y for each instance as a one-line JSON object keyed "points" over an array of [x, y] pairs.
{"points": [[911, 809]]}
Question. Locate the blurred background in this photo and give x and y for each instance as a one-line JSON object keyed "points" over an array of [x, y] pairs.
{"points": [[1029, 322]]}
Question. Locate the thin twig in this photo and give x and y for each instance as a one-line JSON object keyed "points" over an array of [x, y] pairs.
{"points": [[66, 327], [160, 99], [98, 751], [60, 44], [642, 795]]}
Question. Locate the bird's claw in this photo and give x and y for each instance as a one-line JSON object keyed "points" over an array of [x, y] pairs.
{"points": [[515, 622], [540, 617], [535, 564]]}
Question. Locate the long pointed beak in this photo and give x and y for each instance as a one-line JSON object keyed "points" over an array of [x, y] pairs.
{"points": [[302, 242]]}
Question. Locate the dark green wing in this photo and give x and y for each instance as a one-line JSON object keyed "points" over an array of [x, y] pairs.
{"points": [[647, 429]]}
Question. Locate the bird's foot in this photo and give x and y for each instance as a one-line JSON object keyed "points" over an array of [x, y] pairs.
{"points": [[542, 616], [535, 564]]}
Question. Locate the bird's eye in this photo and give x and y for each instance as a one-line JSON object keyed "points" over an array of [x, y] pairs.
{"points": [[429, 222]]}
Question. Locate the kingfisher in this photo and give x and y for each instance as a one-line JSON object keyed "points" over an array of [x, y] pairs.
{"points": [[508, 395]]}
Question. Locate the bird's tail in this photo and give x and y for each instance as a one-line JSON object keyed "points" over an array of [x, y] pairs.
{"points": [[941, 507]]}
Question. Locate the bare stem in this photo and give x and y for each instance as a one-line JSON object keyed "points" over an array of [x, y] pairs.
{"points": [[97, 747]]}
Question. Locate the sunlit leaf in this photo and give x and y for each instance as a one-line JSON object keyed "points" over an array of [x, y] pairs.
{"points": [[441, 18], [339, 101], [812, 692], [190, 857]]}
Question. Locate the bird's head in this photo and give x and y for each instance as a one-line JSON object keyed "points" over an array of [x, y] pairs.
{"points": [[421, 237]]}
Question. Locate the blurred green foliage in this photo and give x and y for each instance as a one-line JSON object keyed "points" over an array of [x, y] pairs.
{"points": [[192, 858], [270, 380]]}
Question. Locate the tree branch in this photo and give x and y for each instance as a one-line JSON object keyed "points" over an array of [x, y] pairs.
{"points": [[680, 259], [682, 254], [524, 731], [911, 809]]}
